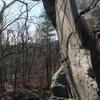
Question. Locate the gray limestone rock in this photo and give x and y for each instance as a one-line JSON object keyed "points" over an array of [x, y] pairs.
{"points": [[59, 85], [78, 27]]}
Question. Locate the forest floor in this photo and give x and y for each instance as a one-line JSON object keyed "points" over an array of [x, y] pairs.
{"points": [[34, 89]]}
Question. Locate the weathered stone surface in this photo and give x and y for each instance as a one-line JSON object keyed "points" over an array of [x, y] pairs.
{"points": [[78, 26], [70, 29], [59, 85], [50, 10]]}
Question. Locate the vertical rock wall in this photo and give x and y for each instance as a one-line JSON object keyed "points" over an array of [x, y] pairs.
{"points": [[72, 18], [78, 26]]}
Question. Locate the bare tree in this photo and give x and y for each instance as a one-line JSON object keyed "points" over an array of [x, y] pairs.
{"points": [[4, 24]]}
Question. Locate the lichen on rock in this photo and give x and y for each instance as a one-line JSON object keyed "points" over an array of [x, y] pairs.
{"points": [[78, 26]]}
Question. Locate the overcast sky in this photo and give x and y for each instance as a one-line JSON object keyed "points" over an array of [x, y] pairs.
{"points": [[14, 12]]}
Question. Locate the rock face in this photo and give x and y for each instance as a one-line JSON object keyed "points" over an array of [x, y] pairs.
{"points": [[78, 26], [60, 86]]}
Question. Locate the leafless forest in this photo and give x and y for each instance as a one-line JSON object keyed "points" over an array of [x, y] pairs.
{"points": [[27, 59]]}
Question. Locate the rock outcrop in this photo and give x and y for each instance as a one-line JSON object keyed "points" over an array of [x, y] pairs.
{"points": [[78, 27], [60, 87]]}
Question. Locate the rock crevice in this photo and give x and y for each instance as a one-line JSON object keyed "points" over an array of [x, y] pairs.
{"points": [[78, 25]]}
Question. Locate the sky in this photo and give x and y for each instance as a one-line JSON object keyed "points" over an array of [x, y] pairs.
{"points": [[36, 12], [13, 12]]}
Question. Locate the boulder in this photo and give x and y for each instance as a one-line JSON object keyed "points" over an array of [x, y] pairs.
{"points": [[59, 85]]}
